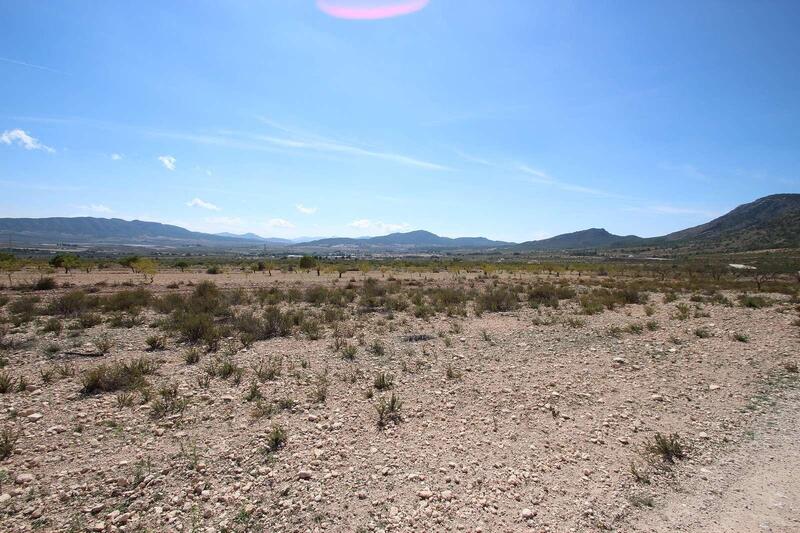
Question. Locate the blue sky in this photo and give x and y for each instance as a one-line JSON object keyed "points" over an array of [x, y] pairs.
{"points": [[512, 119]]}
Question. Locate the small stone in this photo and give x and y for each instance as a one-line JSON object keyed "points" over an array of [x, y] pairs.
{"points": [[35, 417], [24, 478], [527, 514], [425, 494], [304, 474]]}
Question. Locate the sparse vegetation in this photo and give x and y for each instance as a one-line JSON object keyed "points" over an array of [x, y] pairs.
{"points": [[668, 448]]}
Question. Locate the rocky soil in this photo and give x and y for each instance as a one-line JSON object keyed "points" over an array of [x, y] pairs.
{"points": [[518, 421]]}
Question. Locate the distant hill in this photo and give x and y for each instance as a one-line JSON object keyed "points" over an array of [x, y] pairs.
{"points": [[584, 239], [91, 230], [254, 237], [769, 222], [419, 239]]}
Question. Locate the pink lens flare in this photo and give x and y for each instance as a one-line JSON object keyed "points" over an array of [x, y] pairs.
{"points": [[369, 9]]}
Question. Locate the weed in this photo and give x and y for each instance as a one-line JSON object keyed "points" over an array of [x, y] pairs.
{"points": [[682, 311], [668, 448], [253, 393], [389, 411], [741, 337], [349, 352], [383, 381], [377, 348], [754, 302], [168, 402], [156, 342], [276, 439], [191, 356], [638, 475], [8, 440], [46, 375], [702, 333], [103, 344], [125, 399], [6, 382], [452, 373], [53, 325], [268, 370]]}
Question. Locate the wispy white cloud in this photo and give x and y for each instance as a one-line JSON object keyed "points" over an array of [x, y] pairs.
{"points": [[29, 65], [689, 171], [279, 223], [377, 225], [299, 140], [226, 221], [305, 210], [22, 138], [116, 157], [168, 161], [96, 208], [673, 210], [539, 176], [197, 202], [474, 159]]}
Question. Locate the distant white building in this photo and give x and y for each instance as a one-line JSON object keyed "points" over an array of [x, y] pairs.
{"points": [[741, 267]]}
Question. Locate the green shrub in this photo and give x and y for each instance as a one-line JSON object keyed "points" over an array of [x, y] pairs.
{"points": [[495, 300], [45, 284], [53, 325], [754, 302], [130, 301], [117, 376], [72, 303]]}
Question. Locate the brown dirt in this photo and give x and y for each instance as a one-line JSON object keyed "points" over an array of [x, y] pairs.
{"points": [[518, 421]]}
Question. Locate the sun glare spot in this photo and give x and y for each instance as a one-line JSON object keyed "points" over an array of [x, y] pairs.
{"points": [[369, 9]]}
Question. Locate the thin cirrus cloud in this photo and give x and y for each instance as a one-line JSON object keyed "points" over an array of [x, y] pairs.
{"points": [[305, 210], [23, 139], [197, 202], [673, 210], [96, 208], [168, 161], [116, 157], [534, 175], [369, 9], [377, 225], [279, 223], [29, 65], [295, 141]]}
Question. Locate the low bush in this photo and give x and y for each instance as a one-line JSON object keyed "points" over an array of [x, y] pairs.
{"points": [[117, 376]]}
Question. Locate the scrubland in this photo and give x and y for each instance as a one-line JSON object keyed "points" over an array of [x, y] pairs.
{"points": [[395, 400]]}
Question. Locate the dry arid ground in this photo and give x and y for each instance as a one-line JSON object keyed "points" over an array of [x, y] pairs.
{"points": [[519, 419]]}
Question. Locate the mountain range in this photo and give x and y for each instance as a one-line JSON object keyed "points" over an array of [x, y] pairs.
{"points": [[769, 222]]}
